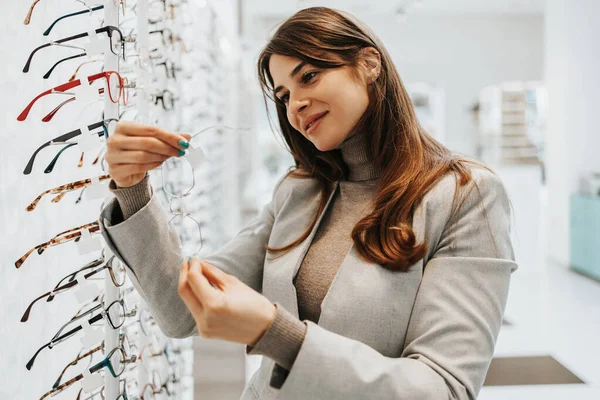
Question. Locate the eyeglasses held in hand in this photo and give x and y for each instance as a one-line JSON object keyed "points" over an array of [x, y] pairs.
{"points": [[114, 315], [116, 89], [115, 362], [182, 221], [71, 234], [115, 36], [116, 270]]}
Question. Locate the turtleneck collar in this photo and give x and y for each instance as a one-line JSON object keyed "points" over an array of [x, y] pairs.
{"points": [[354, 153]]}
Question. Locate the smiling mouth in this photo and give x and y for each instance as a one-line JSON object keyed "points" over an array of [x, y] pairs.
{"points": [[315, 121]]}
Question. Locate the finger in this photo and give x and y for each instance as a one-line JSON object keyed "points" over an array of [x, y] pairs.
{"points": [[198, 282], [149, 144], [214, 274], [130, 128], [134, 157], [185, 292]]}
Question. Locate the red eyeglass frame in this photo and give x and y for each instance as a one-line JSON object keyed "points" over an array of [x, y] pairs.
{"points": [[70, 85]]}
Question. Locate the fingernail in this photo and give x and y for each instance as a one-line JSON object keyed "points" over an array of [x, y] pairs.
{"points": [[184, 144], [181, 153]]}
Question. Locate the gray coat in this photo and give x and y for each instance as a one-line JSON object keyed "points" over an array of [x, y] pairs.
{"points": [[425, 334]]}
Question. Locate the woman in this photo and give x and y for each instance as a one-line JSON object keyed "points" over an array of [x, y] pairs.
{"points": [[383, 259]]}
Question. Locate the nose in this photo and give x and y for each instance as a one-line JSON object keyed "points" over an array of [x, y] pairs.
{"points": [[298, 104]]}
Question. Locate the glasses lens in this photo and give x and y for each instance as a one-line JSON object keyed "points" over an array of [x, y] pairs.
{"points": [[189, 232], [116, 41], [119, 271], [169, 387], [117, 360], [116, 314], [146, 322], [109, 126], [125, 91], [148, 393], [114, 87], [168, 100], [126, 346], [154, 344], [156, 381], [176, 373], [178, 178]]}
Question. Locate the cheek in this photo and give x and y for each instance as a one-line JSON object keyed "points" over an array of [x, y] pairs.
{"points": [[293, 120]]}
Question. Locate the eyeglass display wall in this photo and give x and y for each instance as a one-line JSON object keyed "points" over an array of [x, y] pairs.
{"points": [[73, 324]]}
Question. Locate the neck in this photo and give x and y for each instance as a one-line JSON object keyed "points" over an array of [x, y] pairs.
{"points": [[354, 152]]}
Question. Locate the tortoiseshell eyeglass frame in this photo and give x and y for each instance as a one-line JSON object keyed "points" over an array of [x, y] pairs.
{"points": [[69, 187], [71, 234]]}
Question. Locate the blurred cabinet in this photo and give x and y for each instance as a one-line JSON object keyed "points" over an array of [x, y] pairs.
{"points": [[585, 235], [512, 119]]}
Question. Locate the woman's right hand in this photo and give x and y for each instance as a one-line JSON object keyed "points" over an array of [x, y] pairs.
{"points": [[133, 149]]}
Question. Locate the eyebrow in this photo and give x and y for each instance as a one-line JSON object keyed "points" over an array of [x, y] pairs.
{"points": [[292, 74]]}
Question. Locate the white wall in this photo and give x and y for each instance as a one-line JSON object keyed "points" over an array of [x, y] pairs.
{"points": [[462, 54], [572, 59]]}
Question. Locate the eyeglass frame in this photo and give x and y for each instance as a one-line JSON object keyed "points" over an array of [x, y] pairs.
{"points": [[123, 342], [108, 29], [62, 89], [60, 288], [73, 14], [105, 363], [69, 187], [68, 136], [74, 233], [104, 314]]}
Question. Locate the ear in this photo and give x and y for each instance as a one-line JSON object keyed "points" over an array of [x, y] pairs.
{"points": [[372, 63]]}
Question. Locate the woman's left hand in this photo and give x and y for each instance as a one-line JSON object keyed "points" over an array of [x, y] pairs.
{"points": [[231, 310]]}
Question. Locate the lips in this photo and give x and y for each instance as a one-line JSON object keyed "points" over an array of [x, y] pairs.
{"points": [[312, 119]]}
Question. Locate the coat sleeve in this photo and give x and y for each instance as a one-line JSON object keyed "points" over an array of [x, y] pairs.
{"points": [[151, 254], [454, 323]]}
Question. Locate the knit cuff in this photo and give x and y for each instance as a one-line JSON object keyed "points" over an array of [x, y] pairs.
{"points": [[134, 198], [282, 340]]}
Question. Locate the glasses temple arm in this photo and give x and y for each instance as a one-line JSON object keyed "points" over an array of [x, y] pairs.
{"points": [[28, 16], [35, 202], [61, 138], [47, 74], [50, 166], [75, 361], [96, 8]]}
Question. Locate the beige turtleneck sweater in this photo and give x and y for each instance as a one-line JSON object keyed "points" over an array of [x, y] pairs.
{"points": [[283, 339]]}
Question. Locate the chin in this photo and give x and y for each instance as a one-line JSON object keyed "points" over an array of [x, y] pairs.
{"points": [[321, 146], [326, 145]]}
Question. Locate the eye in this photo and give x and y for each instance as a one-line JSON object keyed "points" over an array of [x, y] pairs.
{"points": [[307, 76], [284, 98]]}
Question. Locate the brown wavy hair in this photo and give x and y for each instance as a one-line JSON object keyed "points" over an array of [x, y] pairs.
{"points": [[411, 161]]}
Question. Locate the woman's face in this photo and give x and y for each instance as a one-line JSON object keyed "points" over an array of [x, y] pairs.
{"points": [[333, 96]]}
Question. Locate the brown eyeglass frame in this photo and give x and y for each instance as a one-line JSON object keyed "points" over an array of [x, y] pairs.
{"points": [[30, 12], [58, 239], [69, 187]]}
